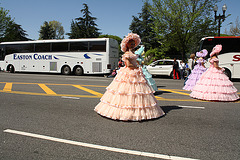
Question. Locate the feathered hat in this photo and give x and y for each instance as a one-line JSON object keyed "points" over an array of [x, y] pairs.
{"points": [[202, 53], [216, 50], [130, 36]]}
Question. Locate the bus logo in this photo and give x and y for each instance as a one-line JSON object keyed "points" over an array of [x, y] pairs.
{"points": [[236, 58], [34, 56]]}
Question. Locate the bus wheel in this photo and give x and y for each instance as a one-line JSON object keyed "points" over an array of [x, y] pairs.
{"points": [[228, 73], [78, 71], [11, 69], [66, 70]]}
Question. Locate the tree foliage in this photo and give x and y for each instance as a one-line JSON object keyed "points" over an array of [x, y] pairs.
{"points": [[51, 30], [46, 31], [5, 20], [9, 30], [234, 28], [181, 23], [58, 29], [143, 26], [85, 26], [14, 32]]}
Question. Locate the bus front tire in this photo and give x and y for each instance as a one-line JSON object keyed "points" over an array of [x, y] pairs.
{"points": [[11, 69], [66, 70], [78, 71], [227, 72]]}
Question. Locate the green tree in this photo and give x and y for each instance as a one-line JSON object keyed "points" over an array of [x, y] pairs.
{"points": [[58, 29], [5, 20], [46, 31], [84, 27], [143, 26], [14, 32], [181, 23]]}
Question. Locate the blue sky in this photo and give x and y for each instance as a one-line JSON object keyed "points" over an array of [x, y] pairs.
{"points": [[113, 16]]}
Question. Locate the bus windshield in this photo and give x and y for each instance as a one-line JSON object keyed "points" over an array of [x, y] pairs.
{"points": [[230, 44]]}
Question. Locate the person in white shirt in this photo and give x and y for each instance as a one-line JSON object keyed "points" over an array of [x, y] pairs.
{"points": [[191, 62], [182, 69]]}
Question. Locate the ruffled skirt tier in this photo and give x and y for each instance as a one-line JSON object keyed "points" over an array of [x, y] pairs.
{"points": [[194, 77], [129, 97], [214, 85]]}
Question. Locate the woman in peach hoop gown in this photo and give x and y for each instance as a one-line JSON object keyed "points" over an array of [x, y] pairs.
{"points": [[129, 97], [214, 85]]}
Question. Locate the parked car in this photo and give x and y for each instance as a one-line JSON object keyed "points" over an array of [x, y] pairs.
{"points": [[162, 67]]}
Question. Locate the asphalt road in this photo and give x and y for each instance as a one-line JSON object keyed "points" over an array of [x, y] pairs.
{"points": [[45, 107]]}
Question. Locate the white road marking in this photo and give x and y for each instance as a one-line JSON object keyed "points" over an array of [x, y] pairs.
{"points": [[70, 97], [191, 107], [112, 149]]}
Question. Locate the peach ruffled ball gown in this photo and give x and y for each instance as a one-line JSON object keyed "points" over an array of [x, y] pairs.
{"points": [[214, 85], [129, 97]]}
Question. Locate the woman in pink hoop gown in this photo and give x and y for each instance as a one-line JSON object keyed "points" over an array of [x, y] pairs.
{"points": [[129, 97], [214, 85]]}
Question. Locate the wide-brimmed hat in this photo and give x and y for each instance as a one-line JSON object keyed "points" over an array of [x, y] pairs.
{"points": [[216, 50], [202, 53], [130, 36]]}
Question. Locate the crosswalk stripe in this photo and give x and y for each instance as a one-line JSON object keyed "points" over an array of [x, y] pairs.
{"points": [[8, 87], [46, 89]]}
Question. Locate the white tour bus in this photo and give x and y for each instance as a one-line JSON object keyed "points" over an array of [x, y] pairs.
{"points": [[229, 57], [66, 56]]}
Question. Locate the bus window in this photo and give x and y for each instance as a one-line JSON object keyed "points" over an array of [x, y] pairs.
{"points": [[99, 46], [42, 47], [13, 48], [2, 53], [60, 47], [26, 48], [78, 46]]}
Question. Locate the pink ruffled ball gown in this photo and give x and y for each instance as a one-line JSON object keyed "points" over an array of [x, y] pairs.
{"points": [[129, 97], [214, 85], [198, 70]]}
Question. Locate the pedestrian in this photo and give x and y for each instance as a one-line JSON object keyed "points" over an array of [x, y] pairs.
{"points": [[147, 75], [113, 74], [120, 63], [191, 62], [182, 69], [175, 69], [129, 97], [214, 85], [198, 70]]}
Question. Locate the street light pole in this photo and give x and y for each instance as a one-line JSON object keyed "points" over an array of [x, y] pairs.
{"points": [[220, 17]]}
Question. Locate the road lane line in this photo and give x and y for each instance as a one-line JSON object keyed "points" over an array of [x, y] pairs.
{"points": [[169, 90], [191, 107], [55, 84], [46, 89], [44, 94], [95, 146], [7, 87], [70, 97], [86, 79], [88, 90]]}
